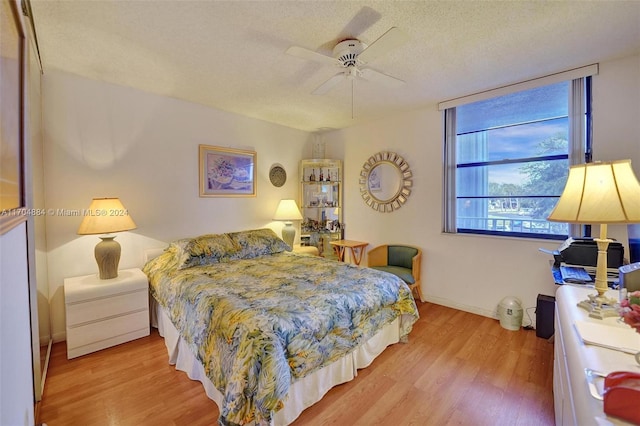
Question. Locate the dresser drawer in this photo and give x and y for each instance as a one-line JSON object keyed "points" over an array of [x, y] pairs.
{"points": [[100, 308], [107, 329]]}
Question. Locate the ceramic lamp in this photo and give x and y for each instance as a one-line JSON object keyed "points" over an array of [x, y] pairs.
{"points": [[600, 192], [288, 211], [105, 216]]}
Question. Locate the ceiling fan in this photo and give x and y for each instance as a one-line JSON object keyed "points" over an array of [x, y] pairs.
{"points": [[352, 56]]}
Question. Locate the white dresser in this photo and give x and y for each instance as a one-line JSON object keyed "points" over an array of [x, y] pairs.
{"points": [[104, 313], [573, 402]]}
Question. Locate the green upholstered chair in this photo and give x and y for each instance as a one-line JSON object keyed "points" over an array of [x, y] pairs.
{"points": [[400, 260]]}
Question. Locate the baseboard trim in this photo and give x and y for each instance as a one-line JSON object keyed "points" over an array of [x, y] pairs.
{"points": [[59, 337], [462, 307]]}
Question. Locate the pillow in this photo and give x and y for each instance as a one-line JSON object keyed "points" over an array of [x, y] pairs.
{"points": [[204, 250], [258, 242]]}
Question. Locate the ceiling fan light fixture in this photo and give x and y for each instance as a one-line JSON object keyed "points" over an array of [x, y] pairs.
{"points": [[347, 51]]}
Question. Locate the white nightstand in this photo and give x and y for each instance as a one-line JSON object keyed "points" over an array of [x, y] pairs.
{"points": [[105, 313]]}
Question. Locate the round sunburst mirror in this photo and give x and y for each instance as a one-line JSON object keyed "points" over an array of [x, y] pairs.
{"points": [[385, 181]]}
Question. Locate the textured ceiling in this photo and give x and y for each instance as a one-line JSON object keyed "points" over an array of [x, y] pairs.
{"points": [[230, 55]]}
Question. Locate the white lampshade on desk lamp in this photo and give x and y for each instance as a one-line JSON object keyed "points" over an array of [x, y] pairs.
{"points": [[287, 211], [104, 216], [600, 193]]}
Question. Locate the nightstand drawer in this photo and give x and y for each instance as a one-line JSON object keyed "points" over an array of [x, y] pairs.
{"points": [[96, 309], [107, 329]]}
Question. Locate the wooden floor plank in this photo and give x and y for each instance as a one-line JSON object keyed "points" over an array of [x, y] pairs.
{"points": [[457, 369]]}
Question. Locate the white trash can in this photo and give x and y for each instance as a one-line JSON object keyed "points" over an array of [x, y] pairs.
{"points": [[510, 313]]}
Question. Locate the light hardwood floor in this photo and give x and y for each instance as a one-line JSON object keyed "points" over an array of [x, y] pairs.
{"points": [[457, 369]]}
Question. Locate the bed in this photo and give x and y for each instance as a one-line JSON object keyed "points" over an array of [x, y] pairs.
{"points": [[268, 332]]}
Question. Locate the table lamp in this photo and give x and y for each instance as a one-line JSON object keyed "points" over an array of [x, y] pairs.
{"points": [[104, 216], [600, 192], [287, 211]]}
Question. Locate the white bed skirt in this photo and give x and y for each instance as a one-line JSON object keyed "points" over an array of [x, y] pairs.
{"points": [[304, 392]]}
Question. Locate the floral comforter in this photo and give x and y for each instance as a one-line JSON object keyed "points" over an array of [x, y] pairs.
{"points": [[258, 324]]}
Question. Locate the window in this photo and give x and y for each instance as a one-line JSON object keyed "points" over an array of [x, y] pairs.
{"points": [[507, 158]]}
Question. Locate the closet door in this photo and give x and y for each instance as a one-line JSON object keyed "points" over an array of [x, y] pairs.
{"points": [[16, 368], [34, 197]]}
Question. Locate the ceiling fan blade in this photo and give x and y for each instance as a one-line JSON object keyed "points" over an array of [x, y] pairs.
{"points": [[378, 77], [388, 41], [301, 52], [329, 84], [362, 21]]}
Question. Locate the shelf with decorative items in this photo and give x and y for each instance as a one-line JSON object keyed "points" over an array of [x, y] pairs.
{"points": [[321, 204]]}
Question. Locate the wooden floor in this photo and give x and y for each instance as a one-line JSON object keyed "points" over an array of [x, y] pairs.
{"points": [[457, 369]]}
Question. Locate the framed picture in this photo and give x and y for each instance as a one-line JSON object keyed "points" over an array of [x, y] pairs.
{"points": [[12, 74], [227, 172]]}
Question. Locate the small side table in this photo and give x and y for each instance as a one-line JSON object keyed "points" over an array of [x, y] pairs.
{"points": [[357, 249], [105, 313]]}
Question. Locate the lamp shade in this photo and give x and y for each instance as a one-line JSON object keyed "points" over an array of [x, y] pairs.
{"points": [[600, 192], [287, 210], [104, 216]]}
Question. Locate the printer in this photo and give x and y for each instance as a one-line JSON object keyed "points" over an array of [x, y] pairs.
{"points": [[584, 252]]}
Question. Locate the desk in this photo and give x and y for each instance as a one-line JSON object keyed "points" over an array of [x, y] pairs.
{"points": [[357, 249], [573, 403]]}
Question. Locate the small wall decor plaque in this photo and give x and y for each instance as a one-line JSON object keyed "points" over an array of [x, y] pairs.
{"points": [[277, 175]]}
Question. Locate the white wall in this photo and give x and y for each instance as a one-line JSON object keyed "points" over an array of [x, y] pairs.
{"points": [[616, 128], [616, 111], [469, 272], [104, 140]]}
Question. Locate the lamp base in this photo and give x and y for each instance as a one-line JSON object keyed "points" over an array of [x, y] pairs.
{"points": [[599, 307], [107, 254], [288, 234]]}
